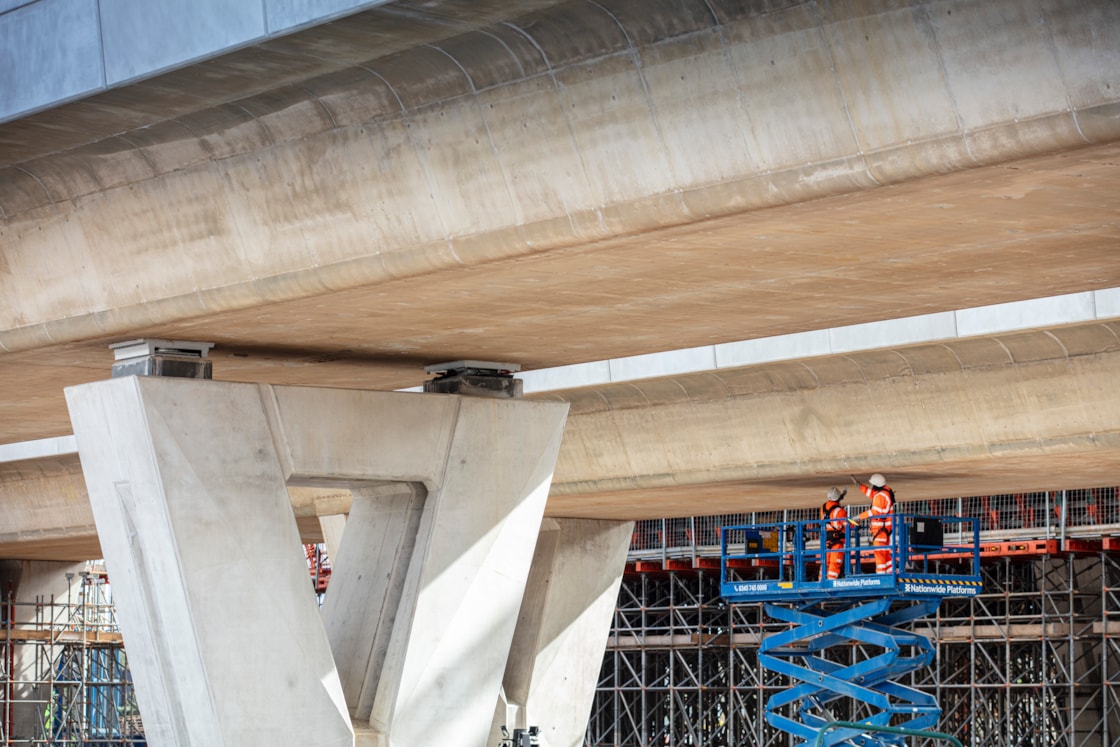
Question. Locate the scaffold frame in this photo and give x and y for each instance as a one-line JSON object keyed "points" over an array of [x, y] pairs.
{"points": [[65, 680], [1033, 660]]}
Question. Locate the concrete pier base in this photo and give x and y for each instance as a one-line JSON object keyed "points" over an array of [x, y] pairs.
{"points": [[430, 575], [562, 629], [332, 528], [219, 618], [187, 480]]}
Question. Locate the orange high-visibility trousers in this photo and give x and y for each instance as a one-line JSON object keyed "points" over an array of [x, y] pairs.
{"points": [[884, 562], [835, 560]]}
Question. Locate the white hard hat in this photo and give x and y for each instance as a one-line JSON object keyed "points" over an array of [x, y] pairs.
{"points": [[877, 480], [834, 494]]}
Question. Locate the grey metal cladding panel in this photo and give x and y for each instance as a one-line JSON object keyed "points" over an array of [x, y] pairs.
{"points": [[143, 37], [49, 52], [286, 15]]}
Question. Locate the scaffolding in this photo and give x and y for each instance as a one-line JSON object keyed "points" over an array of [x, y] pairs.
{"points": [[64, 676], [319, 568], [1031, 661], [1034, 661]]}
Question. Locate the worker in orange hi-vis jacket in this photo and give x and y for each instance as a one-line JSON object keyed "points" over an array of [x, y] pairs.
{"points": [[835, 517], [882, 506]]}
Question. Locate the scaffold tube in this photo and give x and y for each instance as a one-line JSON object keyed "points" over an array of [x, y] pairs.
{"points": [[884, 729]]}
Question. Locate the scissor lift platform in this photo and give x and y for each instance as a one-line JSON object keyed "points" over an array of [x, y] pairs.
{"points": [[933, 557], [780, 564]]}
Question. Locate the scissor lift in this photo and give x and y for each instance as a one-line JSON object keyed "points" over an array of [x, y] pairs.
{"points": [[780, 564]]}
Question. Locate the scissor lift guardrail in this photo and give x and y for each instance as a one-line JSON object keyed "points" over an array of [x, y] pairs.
{"points": [[780, 564]]}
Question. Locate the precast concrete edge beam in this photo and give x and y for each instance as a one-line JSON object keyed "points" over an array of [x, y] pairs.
{"points": [[47, 515], [45, 511], [1027, 411], [932, 415], [599, 145]]}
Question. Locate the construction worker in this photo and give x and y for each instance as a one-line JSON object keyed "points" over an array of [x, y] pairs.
{"points": [[835, 516], [882, 506]]}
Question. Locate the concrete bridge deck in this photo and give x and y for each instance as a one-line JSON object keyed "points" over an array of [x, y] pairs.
{"points": [[576, 183], [336, 194]]}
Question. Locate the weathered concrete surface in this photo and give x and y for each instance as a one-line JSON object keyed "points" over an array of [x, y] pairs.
{"points": [[45, 511], [557, 651], [431, 572], [1005, 413], [573, 182], [226, 645], [614, 159], [1026, 411], [224, 638], [332, 528]]}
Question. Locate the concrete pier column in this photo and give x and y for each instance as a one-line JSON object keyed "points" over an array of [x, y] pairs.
{"points": [[562, 629], [223, 634], [332, 528], [430, 574], [187, 480]]}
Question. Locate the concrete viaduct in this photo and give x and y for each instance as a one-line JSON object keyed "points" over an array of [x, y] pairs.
{"points": [[740, 249]]}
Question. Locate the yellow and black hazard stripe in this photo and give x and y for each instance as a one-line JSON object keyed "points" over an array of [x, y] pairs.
{"points": [[946, 581]]}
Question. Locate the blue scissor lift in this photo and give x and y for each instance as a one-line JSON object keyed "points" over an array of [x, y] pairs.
{"points": [[779, 564]]}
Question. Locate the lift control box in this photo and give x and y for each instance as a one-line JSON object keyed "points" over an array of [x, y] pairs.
{"points": [[926, 531]]}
